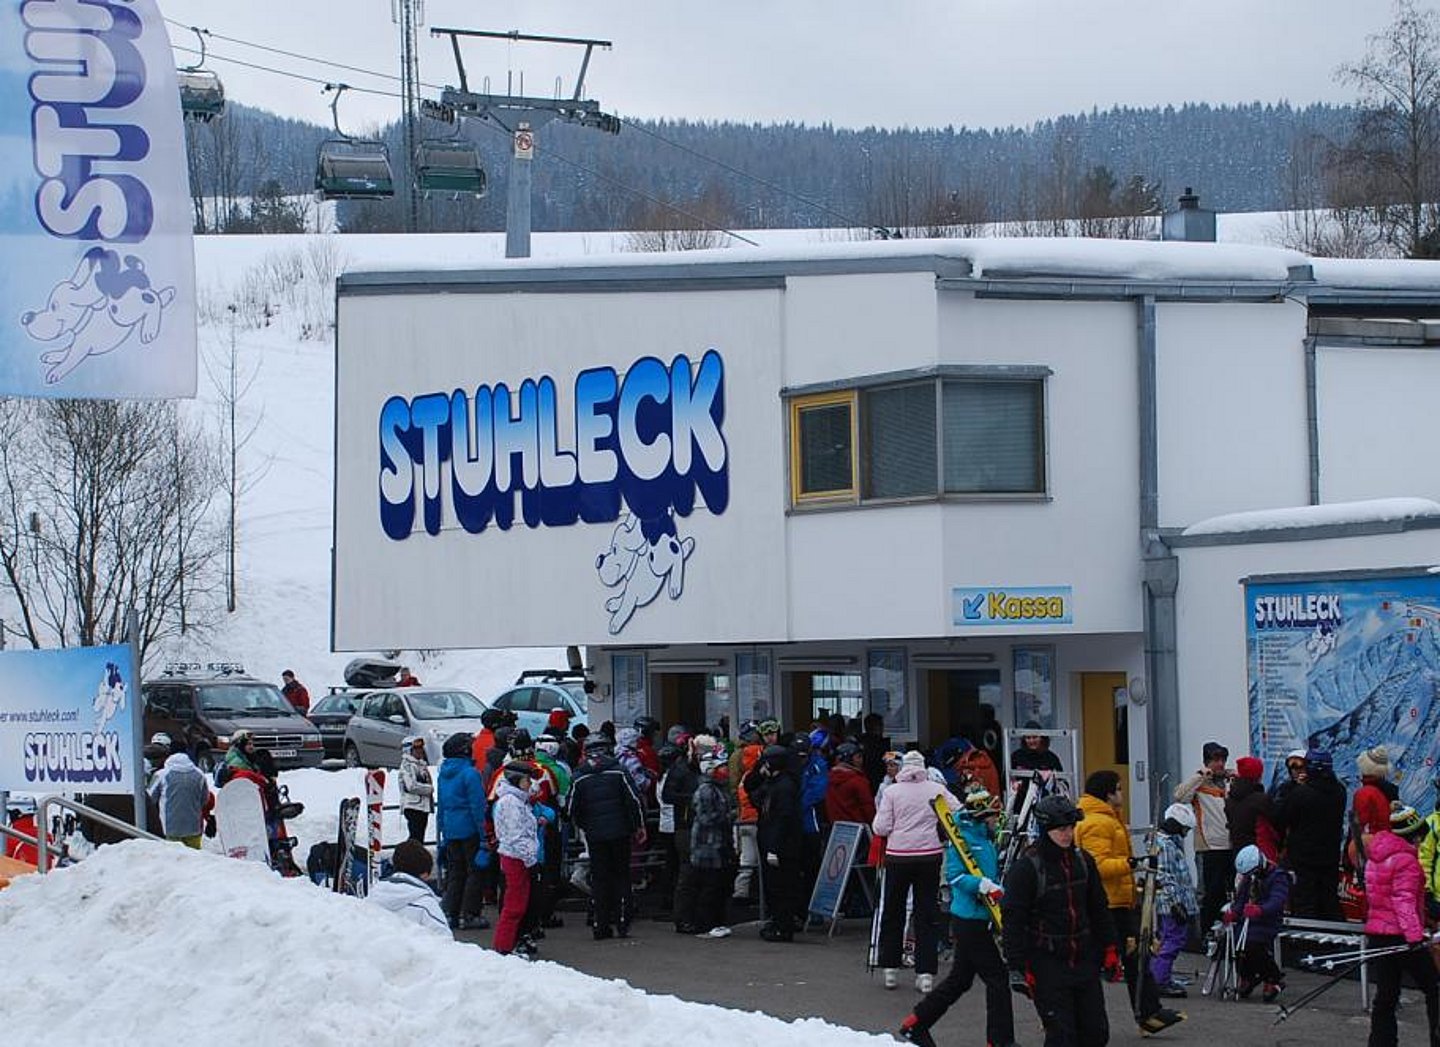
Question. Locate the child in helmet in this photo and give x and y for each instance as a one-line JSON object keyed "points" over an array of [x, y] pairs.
{"points": [[1176, 902], [1259, 906], [975, 951]]}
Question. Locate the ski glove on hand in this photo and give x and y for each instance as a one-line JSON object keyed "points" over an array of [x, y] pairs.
{"points": [[1023, 982], [989, 888], [1253, 912], [1227, 917], [771, 858]]}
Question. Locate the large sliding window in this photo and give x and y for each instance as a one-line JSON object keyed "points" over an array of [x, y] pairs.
{"points": [[964, 431]]}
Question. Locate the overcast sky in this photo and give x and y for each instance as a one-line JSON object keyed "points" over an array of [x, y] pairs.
{"points": [[855, 63]]}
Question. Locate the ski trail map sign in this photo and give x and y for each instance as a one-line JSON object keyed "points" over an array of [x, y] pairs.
{"points": [[1343, 664], [98, 298]]}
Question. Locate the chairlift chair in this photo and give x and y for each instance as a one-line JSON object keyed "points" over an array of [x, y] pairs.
{"points": [[449, 165], [349, 168], [202, 95]]}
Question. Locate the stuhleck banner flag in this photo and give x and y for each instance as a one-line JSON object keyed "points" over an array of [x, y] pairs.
{"points": [[98, 294]]}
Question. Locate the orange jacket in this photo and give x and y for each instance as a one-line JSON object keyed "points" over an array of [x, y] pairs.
{"points": [[741, 761]]}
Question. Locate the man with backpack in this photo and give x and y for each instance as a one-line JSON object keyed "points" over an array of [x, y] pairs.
{"points": [[1057, 930]]}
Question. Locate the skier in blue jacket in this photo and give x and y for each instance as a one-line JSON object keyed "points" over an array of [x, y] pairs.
{"points": [[976, 953], [461, 821]]}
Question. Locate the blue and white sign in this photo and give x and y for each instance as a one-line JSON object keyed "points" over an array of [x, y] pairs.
{"points": [[1343, 665], [69, 720], [95, 214], [998, 605]]}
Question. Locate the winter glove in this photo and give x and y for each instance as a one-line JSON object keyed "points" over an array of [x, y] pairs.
{"points": [[989, 889], [771, 858], [1022, 982], [877, 851], [210, 827], [1227, 917], [1111, 966], [1253, 912]]}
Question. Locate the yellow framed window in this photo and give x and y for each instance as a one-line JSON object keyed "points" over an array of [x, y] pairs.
{"points": [[823, 465]]}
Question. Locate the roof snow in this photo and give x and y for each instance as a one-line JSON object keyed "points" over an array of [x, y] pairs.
{"points": [[1375, 510]]}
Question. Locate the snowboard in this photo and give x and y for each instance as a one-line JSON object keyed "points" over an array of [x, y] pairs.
{"points": [[342, 876], [240, 821]]}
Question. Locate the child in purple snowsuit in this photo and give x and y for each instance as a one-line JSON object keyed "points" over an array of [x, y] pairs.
{"points": [[1175, 901]]}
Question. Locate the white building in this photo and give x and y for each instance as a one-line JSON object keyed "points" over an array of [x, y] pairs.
{"points": [[916, 478]]}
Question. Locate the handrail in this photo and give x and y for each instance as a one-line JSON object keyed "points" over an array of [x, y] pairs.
{"points": [[42, 817], [16, 834]]}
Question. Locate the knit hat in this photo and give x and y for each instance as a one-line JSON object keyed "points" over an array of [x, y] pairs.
{"points": [[1181, 814], [1405, 820], [559, 718], [1374, 763], [913, 758], [1294, 754], [1250, 767]]}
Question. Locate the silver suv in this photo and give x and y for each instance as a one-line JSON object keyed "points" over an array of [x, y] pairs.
{"points": [[384, 718]]}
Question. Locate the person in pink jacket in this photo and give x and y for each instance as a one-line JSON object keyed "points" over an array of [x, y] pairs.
{"points": [[913, 856], [1395, 892]]}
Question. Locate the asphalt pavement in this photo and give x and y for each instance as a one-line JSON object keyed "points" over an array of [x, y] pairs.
{"points": [[822, 976]]}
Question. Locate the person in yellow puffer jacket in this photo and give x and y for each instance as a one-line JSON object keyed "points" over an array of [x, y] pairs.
{"points": [[1104, 836]]}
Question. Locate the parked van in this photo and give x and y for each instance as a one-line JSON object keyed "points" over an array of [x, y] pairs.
{"points": [[206, 707]]}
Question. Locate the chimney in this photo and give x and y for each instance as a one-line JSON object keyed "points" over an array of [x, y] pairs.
{"points": [[1190, 222]]}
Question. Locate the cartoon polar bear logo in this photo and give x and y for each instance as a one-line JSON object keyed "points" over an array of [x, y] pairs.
{"points": [[643, 556]]}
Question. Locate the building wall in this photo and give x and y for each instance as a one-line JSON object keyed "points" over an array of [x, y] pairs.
{"points": [[1230, 409], [1374, 406], [1210, 612]]}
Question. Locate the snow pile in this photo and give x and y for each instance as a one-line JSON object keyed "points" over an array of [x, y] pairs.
{"points": [[149, 943], [1375, 510]]}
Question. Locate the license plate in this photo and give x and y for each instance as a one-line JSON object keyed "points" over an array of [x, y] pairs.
{"points": [[332, 728], [282, 753]]}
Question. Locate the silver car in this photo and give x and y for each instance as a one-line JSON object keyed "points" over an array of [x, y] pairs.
{"points": [[384, 718]]}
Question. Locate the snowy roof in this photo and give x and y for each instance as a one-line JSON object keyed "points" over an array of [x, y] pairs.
{"points": [[1074, 258], [1332, 515]]}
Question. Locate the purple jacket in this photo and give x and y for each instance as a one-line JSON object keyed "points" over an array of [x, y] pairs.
{"points": [[1394, 888]]}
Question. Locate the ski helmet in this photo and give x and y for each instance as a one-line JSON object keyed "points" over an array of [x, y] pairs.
{"points": [[776, 755], [647, 725], [492, 718], [1249, 859], [518, 772], [768, 727], [521, 742], [1181, 814], [241, 736], [1405, 820], [1056, 812], [749, 731], [458, 744], [847, 751], [979, 803]]}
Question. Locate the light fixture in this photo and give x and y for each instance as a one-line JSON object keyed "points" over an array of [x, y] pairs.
{"points": [[684, 664], [817, 659], [953, 658]]}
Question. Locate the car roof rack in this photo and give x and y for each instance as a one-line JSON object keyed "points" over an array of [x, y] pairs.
{"points": [[216, 669], [549, 675]]}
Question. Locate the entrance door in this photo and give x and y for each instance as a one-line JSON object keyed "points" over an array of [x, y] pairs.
{"points": [[1105, 729], [954, 697], [682, 700]]}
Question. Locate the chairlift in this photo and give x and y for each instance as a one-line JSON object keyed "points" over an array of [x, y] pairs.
{"points": [[202, 95], [349, 168], [449, 165]]}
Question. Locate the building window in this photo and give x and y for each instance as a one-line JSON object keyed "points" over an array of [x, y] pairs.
{"points": [[627, 672], [994, 437], [899, 439], [886, 671], [973, 434], [822, 447]]}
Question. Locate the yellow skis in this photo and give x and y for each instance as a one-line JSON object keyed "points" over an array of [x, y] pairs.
{"points": [[947, 822]]}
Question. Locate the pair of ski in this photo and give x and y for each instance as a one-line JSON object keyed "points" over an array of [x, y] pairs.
{"points": [[1224, 951]]}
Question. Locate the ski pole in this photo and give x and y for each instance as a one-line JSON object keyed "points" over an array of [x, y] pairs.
{"points": [[1313, 994]]}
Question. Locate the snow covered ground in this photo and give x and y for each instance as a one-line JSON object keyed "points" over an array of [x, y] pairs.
{"points": [[152, 943]]}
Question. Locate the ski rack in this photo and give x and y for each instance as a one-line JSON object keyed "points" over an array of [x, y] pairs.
{"points": [[42, 817]]}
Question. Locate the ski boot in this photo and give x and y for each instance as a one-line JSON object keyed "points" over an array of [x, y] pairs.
{"points": [[1160, 1021], [911, 1031]]}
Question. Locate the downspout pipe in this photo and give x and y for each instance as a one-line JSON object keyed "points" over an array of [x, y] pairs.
{"points": [[1312, 419], [1161, 569]]}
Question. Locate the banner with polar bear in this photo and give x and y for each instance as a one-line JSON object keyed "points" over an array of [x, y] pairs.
{"points": [[1343, 664], [70, 721], [95, 215]]}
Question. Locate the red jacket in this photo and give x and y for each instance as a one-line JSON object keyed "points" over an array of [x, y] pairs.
{"points": [[296, 694], [483, 743], [848, 797]]}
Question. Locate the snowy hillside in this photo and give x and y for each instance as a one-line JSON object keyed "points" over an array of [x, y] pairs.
{"points": [[281, 289]]}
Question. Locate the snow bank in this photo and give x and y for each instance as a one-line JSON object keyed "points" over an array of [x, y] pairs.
{"points": [[149, 943], [1375, 510]]}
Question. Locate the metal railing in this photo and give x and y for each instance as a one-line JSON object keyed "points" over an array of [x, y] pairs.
{"points": [[26, 838], [42, 817]]}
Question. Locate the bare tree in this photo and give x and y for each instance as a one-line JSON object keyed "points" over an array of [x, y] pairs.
{"points": [[1394, 154], [694, 225], [1326, 214], [105, 508]]}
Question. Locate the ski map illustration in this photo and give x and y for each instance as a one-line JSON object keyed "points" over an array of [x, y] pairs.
{"points": [[342, 876]]}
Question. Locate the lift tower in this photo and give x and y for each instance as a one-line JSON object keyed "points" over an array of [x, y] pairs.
{"points": [[522, 116], [409, 15]]}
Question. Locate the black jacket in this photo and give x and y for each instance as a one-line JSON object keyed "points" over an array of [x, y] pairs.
{"points": [[1027, 759], [1055, 907], [603, 802], [1313, 814], [1246, 804], [776, 796]]}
